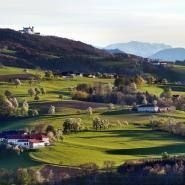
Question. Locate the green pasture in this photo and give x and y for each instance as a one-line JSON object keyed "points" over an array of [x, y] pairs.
{"points": [[118, 144]]}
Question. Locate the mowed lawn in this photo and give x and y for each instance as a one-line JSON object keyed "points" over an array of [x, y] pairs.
{"points": [[118, 144], [115, 145]]}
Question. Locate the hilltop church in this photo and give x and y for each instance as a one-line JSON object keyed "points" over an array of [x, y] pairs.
{"points": [[29, 30]]}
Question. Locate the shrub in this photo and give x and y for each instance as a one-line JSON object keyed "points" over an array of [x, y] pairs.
{"points": [[90, 111], [60, 97], [79, 95], [51, 110], [37, 98]]}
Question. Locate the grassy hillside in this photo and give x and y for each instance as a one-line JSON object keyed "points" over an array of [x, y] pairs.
{"points": [[119, 144], [56, 53], [115, 145]]}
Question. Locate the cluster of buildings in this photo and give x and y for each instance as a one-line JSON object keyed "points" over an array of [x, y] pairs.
{"points": [[24, 140], [29, 30], [152, 108], [72, 74]]}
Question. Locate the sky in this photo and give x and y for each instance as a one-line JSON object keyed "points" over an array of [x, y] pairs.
{"points": [[100, 22]]}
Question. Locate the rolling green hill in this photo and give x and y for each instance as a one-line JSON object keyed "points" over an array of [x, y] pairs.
{"points": [[118, 144]]}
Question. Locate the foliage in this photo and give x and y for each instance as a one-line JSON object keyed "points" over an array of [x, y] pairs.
{"points": [[99, 124], [51, 110], [72, 125]]}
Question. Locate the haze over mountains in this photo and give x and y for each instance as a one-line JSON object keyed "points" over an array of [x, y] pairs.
{"points": [[172, 54], [142, 49], [150, 50]]}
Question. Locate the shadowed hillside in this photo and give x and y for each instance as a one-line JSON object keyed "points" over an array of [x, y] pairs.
{"points": [[50, 52]]}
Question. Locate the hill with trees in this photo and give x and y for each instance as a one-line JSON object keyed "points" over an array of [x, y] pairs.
{"points": [[55, 53]]}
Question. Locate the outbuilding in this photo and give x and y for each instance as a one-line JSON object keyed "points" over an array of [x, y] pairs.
{"points": [[148, 108]]}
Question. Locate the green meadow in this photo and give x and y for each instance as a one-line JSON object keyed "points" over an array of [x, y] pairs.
{"points": [[134, 141]]}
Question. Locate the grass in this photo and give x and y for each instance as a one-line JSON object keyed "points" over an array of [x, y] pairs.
{"points": [[14, 161], [154, 89], [117, 144], [13, 70]]}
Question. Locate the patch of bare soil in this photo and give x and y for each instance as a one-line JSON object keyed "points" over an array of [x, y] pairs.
{"points": [[75, 104], [6, 78]]}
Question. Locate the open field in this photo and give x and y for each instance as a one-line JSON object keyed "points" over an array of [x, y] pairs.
{"points": [[118, 144], [115, 145]]}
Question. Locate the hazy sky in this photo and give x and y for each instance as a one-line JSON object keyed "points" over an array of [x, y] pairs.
{"points": [[100, 22]]}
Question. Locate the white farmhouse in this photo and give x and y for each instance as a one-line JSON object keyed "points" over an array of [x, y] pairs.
{"points": [[24, 143], [35, 144], [148, 108]]}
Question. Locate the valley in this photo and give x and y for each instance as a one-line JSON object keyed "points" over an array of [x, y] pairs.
{"points": [[133, 141]]}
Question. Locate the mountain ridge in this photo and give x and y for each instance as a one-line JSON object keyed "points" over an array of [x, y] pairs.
{"points": [[143, 49], [172, 54]]}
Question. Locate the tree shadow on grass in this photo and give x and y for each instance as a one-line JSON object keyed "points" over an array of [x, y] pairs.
{"points": [[171, 149], [136, 135], [126, 112], [117, 112], [14, 161], [171, 116], [64, 93], [178, 88]]}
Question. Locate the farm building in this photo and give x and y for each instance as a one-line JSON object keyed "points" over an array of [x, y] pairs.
{"points": [[28, 141], [148, 108], [154, 108], [34, 144]]}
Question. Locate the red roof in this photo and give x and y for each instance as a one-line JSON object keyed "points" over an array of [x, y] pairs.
{"points": [[35, 141], [37, 136], [18, 136], [23, 136]]}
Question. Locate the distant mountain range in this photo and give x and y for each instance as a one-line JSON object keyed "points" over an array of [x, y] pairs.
{"points": [[172, 54], [114, 51], [142, 49]]}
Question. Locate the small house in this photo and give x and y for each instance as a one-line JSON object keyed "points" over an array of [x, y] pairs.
{"points": [[14, 139], [35, 144], [148, 108], [24, 140], [24, 143]]}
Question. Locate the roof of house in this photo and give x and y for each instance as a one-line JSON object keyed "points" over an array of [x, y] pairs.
{"points": [[35, 141], [17, 136], [147, 106], [23, 140], [38, 136], [13, 132], [21, 135]]}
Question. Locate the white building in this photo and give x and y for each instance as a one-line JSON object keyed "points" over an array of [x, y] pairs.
{"points": [[148, 108], [33, 141], [14, 139], [29, 30], [24, 143], [35, 144]]}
